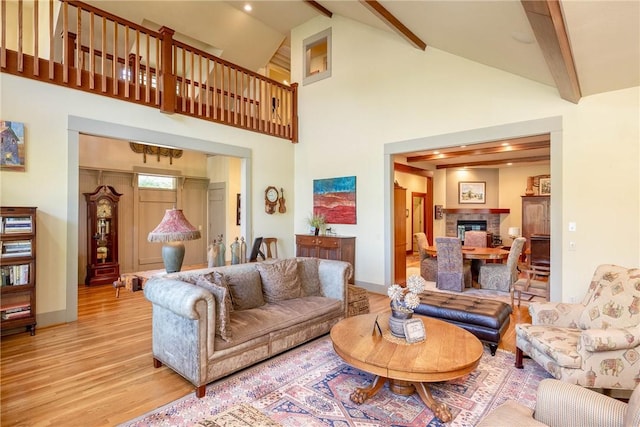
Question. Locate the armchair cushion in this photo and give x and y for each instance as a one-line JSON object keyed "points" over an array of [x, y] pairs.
{"points": [[558, 344], [557, 314], [615, 301]]}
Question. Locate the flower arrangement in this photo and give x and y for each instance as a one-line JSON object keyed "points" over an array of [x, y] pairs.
{"points": [[317, 221], [406, 299]]}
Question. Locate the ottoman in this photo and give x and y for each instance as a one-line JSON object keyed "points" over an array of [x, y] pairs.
{"points": [[486, 319]]}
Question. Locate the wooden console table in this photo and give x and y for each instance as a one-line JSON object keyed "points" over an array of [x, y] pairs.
{"points": [[340, 248]]}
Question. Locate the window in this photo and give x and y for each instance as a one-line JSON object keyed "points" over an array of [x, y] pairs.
{"points": [[158, 182], [317, 57]]}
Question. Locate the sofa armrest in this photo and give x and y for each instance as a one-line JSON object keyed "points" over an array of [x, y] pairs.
{"points": [[334, 277], [595, 340], [557, 314], [563, 404], [183, 326]]}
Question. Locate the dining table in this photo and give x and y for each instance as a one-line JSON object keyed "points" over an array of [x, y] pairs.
{"points": [[472, 252]]}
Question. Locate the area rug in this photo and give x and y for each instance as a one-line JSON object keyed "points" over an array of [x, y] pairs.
{"points": [[310, 386]]}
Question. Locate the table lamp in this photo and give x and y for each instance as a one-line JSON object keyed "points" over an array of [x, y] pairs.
{"points": [[514, 232], [172, 231]]}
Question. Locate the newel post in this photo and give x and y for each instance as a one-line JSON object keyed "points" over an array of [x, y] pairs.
{"points": [[294, 113], [167, 78]]}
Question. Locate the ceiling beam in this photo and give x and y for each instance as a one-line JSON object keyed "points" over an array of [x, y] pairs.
{"points": [[381, 12], [401, 167], [495, 162], [519, 145], [320, 8], [545, 17]]}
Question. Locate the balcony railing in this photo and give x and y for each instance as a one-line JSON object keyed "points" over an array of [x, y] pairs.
{"points": [[72, 44]]}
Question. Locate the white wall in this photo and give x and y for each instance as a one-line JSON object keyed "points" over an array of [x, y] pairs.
{"points": [[51, 113], [383, 92]]}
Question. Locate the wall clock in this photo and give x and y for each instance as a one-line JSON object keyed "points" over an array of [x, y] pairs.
{"points": [[270, 199]]}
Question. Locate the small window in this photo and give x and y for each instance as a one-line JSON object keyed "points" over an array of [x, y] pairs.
{"points": [[155, 181], [317, 57]]}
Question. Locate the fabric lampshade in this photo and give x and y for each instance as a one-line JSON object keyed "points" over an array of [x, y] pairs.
{"points": [[174, 227], [514, 232]]}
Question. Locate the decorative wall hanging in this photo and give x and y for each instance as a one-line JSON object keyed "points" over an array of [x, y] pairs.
{"points": [[12, 146], [471, 192], [154, 150], [335, 199]]}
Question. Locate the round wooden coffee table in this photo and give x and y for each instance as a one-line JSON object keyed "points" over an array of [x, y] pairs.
{"points": [[448, 352]]}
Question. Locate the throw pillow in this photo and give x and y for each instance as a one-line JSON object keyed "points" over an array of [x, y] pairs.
{"points": [[246, 289], [308, 276], [216, 284], [279, 279]]}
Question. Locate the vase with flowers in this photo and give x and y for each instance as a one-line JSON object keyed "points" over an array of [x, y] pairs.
{"points": [[317, 221], [403, 301]]}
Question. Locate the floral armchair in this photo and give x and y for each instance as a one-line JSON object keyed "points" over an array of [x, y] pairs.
{"points": [[592, 344]]}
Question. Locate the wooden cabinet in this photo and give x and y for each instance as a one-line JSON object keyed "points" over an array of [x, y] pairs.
{"points": [[339, 248], [18, 268], [536, 217], [540, 250], [102, 236], [400, 234]]}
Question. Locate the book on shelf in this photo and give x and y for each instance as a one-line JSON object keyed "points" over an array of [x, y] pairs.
{"points": [[16, 249], [14, 275], [24, 305], [16, 225], [16, 314]]}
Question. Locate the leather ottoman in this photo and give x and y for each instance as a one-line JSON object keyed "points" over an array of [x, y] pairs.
{"points": [[486, 319]]}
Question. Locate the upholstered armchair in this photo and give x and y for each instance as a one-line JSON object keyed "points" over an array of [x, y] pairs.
{"points": [[501, 276], [560, 404], [594, 343], [428, 264], [453, 273]]}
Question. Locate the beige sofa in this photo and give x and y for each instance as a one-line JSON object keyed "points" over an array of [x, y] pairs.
{"points": [[209, 323]]}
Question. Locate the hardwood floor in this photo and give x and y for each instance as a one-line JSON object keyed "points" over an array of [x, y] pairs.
{"points": [[98, 370]]}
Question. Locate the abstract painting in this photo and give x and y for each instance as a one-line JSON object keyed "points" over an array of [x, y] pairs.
{"points": [[12, 148], [335, 198]]}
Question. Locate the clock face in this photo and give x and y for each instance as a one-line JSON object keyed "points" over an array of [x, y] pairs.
{"points": [[271, 194], [103, 209]]}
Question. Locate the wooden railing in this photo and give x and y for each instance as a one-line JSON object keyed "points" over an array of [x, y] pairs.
{"points": [[72, 44]]}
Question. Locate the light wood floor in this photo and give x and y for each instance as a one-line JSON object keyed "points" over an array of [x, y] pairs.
{"points": [[98, 370]]}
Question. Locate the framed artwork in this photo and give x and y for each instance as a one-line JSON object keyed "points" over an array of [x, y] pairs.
{"points": [[471, 192], [414, 330], [335, 199], [545, 186], [238, 209], [12, 146], [437, 213]]}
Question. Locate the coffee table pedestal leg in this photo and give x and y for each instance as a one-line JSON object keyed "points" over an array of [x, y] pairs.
{"points": [[440, 410], [363, 393]]}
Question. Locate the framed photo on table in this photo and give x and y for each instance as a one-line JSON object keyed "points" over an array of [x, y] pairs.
{"points": [[471, 192], [414, 331]]}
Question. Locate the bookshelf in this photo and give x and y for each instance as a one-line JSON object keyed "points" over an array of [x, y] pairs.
{"points": [[17, 269]]}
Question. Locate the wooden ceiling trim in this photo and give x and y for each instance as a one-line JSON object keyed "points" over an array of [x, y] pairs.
{"points": [[401, 167], [382, 13], [511, 148], [545, 17], [320, 8], [495, 162]]}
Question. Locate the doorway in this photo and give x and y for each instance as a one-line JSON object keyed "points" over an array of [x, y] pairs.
{"points": [[418, 216]]}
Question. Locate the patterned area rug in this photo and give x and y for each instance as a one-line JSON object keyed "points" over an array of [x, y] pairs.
{"points": [[310, 386]]}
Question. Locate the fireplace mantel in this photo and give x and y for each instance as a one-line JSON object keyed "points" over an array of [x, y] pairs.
{"points": [[476, 211]]}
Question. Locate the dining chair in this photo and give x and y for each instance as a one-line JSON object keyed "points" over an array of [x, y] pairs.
{"points": [[501, 276], [270, 245], [453, 273], [535, 282], [428, 264], [476, 239]]}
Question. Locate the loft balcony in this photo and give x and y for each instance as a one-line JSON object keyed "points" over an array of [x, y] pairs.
{"points": [[72, 44]]}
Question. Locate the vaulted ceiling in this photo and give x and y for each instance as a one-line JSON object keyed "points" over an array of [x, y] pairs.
{"points": [[581, 47]]}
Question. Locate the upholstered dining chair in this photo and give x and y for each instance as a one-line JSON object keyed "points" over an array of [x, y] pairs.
{"points": [[428, 264], [476, 239], [453, 273], [501, 276]]}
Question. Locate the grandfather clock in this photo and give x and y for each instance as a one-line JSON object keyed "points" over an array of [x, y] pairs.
{"points": [[102, 236]]}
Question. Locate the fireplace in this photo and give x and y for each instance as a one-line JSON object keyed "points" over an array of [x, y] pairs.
{"points": [[468, 225]]}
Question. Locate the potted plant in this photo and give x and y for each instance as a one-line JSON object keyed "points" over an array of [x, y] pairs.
{"points": [[403, 301], [317, 221]]}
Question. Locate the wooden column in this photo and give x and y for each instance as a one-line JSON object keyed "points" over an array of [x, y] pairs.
{"points": [[165, 74]]}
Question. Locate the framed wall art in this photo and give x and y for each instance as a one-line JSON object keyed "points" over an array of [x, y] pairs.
{"points": [[335, 199], [545, 186], [12, 146], [471, 192]]}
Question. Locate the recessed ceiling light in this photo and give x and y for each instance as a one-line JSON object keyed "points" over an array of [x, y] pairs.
{"points": [[436, 152], [247, 8], [463, 146], [509, 164], [505, 144]]}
